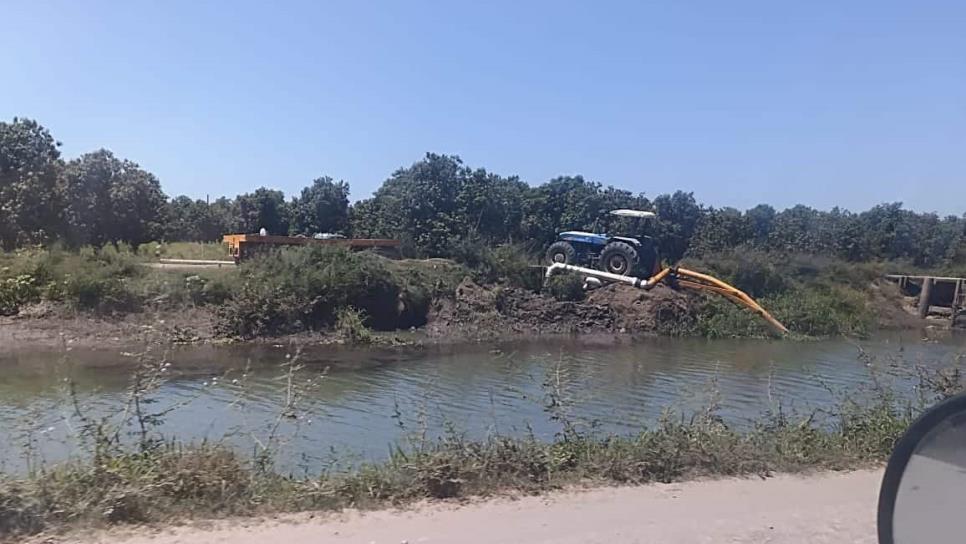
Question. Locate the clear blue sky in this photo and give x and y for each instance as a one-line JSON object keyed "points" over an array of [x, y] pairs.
{"points": [[823, 103]]}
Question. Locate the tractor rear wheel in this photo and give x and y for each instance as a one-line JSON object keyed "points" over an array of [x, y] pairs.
{"points": [[562, 252], [619, 258]]}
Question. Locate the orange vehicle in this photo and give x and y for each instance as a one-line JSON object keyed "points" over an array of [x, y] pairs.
{"points": [[243, 246]]}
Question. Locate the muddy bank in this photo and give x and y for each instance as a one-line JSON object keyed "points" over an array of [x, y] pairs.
{"points": [[48, 327], [484, 312], [473, 313]]}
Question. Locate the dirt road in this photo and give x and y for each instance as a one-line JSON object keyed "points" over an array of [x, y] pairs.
{"points": [[827, 508]]}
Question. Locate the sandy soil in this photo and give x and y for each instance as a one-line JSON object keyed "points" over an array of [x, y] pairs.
{"points": [[825, 508]]}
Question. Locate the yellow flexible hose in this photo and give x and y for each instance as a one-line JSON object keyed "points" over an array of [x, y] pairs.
{"points": [[703, 282]]}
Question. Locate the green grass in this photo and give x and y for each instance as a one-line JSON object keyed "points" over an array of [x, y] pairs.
{"points": [[811, 295], [212, 251], [108, 280]]}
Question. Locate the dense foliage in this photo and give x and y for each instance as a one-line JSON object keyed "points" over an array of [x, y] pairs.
{"points": [[438, 206]]}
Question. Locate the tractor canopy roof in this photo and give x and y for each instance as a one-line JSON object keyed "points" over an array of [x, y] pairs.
{"points": [[633, 213]]}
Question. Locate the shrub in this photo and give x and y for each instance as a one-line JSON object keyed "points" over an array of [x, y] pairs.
{"points": [[17, 291], [566, 287], [350, 324], [753, 272], [512, 264], [91, 292], [813, 311], [506, 263], [304, 288]]}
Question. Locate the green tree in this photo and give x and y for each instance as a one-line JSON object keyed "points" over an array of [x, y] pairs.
{"points": [[30, 196], [888, 231], [417, 204], [491, 206], [678, 217], [110, 200], [198, 221], [563, 203], [760, 219], [265, 208], [322, 207], [721, 229], [225, 217], [182, 219], [793, 230]]}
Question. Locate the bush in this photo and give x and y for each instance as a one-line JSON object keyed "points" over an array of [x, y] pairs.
{"points": [[753, 272], [350, 324], [92, 291], [813, 311], [298, 289], [566, 287], [17, 291], [203, 289], [505, 263]]}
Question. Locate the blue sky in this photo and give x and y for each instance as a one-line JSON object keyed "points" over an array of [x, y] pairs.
{"points": [[822, 103]]}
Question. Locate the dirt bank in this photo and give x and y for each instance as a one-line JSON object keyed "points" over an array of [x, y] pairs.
{"points": [[893, 309], [474, 313], [823, 508], [480, 312], [47, 327]]}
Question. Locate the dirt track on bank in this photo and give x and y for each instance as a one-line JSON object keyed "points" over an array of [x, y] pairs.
{"points": [[819, 509]]}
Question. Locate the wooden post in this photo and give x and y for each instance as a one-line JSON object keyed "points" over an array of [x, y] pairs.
{"points": [[924, 297], [956, 294]]}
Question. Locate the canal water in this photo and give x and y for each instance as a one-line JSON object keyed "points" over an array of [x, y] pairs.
{"points": [[355, 405]]}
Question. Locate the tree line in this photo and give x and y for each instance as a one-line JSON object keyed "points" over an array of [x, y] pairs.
{"points": [[438, 206]]}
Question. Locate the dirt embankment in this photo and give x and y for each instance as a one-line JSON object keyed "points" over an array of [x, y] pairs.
{"points": [[475, 312], [47, 327], [479, 312], [893, 309]]}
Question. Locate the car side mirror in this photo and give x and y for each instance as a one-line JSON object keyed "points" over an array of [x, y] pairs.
{"points": [[924, 487]]}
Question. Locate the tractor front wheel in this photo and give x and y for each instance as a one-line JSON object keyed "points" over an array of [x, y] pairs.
{"points": [[562, 252], [619, 258]]}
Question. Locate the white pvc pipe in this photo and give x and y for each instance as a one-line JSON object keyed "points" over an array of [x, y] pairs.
{"points": [[195, 261], [629, 280]]}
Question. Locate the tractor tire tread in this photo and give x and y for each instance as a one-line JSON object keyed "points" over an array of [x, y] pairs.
{"points": [[569, 251], [622, 248]]}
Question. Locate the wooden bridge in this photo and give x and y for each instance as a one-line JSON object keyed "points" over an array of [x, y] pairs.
{"points": [[942, 295]]}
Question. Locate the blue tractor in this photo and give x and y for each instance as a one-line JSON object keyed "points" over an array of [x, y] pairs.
{"points": [[632, 255]]}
